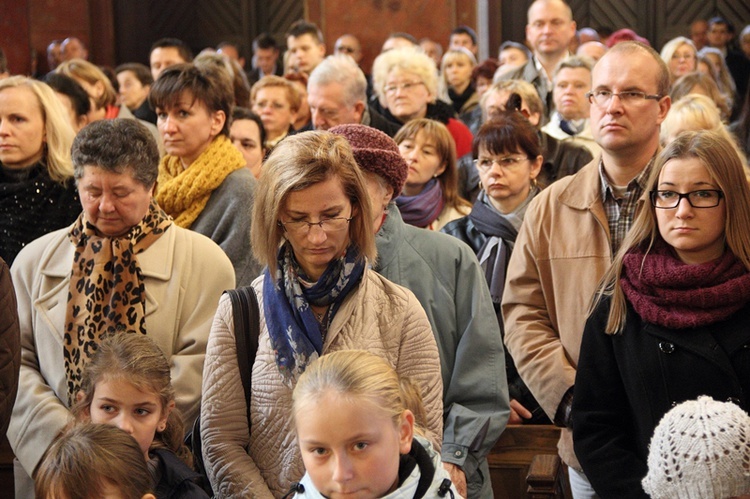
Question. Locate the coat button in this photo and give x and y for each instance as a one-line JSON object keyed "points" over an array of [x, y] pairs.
{"points": [[666, 346]]}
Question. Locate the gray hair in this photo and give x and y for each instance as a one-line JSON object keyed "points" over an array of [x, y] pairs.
{"points": [[413, 60], [115, 146], [575, 62], [343, 70]]}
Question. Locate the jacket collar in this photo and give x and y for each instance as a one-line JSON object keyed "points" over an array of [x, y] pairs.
{"points": [[389, 237], [583, 191]]}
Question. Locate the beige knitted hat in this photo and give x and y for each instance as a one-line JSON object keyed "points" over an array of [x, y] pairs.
{"points": [[700, 449]]}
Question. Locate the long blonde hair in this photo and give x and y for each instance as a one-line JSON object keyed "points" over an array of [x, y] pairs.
{"points": [[58, 132], [719, 156]]}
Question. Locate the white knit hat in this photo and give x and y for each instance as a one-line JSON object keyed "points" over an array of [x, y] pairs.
{"points": [[700, 449]]}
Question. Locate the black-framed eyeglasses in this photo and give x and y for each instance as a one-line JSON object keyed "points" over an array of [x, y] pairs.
{"points": [[505, 163], [602, 98], [704, 198], [328, 225]]}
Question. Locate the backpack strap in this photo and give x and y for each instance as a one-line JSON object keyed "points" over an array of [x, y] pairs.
{"points": [[246, 333]]}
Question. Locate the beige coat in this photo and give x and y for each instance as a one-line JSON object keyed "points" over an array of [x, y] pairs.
{"points": [[561, 253], [378, 316], [184, 276]]}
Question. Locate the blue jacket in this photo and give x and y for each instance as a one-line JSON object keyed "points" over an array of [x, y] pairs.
{"points": [[446, 278]]}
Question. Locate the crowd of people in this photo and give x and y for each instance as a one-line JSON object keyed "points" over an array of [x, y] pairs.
{"points": [[433, 250]]}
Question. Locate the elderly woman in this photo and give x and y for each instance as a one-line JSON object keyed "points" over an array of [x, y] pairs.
{"points": [[123, 256], [37, 192], [671, 319], [680, 56], [406, 83], [276, 100], [430, 196], [509, 159], [312, 226], [446, 278], [203, 183]]}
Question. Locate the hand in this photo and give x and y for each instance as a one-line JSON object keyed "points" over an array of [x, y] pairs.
{"points": [[457, 477], [518, 412]]}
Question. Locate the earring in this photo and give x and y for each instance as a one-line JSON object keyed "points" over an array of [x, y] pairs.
{"points": [[481, 187], [534, 182]]}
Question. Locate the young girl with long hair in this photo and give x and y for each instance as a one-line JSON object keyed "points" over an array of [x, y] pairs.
{"points": [[358, 427], [671, 320], [127, 383]]}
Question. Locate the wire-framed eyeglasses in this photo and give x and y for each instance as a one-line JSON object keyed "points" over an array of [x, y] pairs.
{"points": [[484, 164], [704, 198], [602, 98], [328, 225]]}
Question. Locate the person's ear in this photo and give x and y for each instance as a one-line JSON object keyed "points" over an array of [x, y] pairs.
{"points": [[218, 118], [148, 496], [162, 425], [536, 167], [86, 412], [440, 170], [665, 103], [359, 110], [405, 432]]}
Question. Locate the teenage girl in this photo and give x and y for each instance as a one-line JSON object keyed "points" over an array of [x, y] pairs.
{"points": [[357, 434], [127, 384], [93, 460]]}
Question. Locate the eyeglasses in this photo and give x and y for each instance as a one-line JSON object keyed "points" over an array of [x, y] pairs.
{"points": [[302, 228], [342, 48], [686, 57], [602, 98], [505, 163], [392, 89], [697, 199]]}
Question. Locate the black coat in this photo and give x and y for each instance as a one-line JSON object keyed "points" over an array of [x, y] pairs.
{"points": [[176, 479], [625, 383]]}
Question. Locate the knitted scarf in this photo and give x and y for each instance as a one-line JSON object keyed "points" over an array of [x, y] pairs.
{"points": [[296, 336], [675, 295], [184, 192], [424, 208], [106, 292]]}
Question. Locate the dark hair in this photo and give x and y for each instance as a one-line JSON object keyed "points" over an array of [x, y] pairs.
{"points": [[66, 85], [141, 72], [243, 113], [235, 45], [302, 27], [206, 84], [181, 47], [720, 20], [514, 45], [264, 41], [508, 131], [486, 69], [117, 146], [465, 30], [404, 35]]}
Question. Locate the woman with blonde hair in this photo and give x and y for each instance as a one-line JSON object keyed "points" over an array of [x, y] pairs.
{"points": [[430, 197], [312, 227], [346, 395], [680, 56], [693, 112], [455, 76], [702, 84], [277, 101], [672, 314], [406, 83], [37, 191]]}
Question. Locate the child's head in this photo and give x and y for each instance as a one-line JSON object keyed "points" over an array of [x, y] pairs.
{"points": [[127, 383], [701, 449], [353, 423], [91, 461]]}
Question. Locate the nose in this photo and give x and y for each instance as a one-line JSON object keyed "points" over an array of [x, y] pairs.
{"points": [[318, 122], [124, 423], [106, 204], [167, 125], [316, 234], [614, 106], [684, 209], [343, 470], [3, 127]]}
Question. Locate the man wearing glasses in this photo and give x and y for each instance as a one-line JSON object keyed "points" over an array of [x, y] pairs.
{"points": [[573, 228]]}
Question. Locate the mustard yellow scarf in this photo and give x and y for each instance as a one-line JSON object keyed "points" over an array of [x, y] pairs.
{"points": [[184, 192]]}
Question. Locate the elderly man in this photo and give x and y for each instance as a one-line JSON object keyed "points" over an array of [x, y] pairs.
{"points": [[348, 45], [550, 30], [569, 122], [304, 42], [337, 95], [573, 228]]}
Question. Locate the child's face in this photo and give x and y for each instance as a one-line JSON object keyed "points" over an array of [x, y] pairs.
{"points": [[118, 402], [351, 447]]}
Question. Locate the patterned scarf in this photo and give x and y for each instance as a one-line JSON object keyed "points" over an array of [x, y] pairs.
{"points": [[106, 292], [424, 208], [672, 294], [296, 335], [184, 192]]}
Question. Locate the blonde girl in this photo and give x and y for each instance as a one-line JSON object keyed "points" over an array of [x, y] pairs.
{"points": [[356, 422], [127, 383]]}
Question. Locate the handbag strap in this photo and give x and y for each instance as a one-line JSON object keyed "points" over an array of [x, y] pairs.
{"points": [[246, 333]]}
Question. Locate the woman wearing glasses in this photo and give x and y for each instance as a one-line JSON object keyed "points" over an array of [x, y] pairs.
{"points": [[312, 226], [680, 56], [671, 320], [509, 159], [277, 101], [406, 83]]}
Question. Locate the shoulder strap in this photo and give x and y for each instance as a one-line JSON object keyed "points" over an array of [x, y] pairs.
{"points": [[246, 332]]}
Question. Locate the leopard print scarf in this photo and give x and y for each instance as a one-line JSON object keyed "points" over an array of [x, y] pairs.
{"points": [[184, 192], [106, 292]]}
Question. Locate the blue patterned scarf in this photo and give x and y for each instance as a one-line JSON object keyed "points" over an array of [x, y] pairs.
{"points": [[296, 335]]}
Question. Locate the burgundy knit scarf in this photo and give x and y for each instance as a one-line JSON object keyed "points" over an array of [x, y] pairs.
{"points": [[672, 294]]}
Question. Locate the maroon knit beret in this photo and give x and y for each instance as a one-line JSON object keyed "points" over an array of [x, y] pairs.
{"points": [[376, 152]]}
